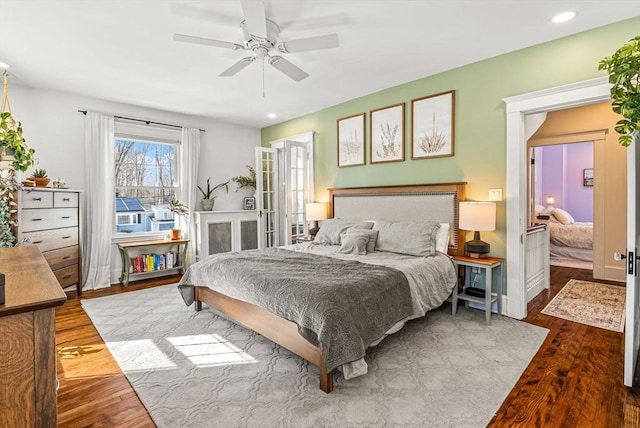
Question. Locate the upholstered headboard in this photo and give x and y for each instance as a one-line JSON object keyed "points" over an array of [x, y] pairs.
{"points": [[419, 202]]}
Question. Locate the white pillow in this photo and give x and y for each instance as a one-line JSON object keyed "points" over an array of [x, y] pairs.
{"points": [[562, 216], [442, 238]]}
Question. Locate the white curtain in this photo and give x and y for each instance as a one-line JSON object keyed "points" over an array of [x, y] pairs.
{"points": [[98, 200], [189, 153]]}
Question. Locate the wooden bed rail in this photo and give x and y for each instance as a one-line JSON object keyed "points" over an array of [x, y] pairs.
{"points": [[278, 330]]}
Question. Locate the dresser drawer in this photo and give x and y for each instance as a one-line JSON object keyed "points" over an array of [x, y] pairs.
{"points": [[36, 199], [67, 276], [63, 257], [48, 240], [65, 199], [49, 218]]}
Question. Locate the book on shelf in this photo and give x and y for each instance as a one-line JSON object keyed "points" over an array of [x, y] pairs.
{"points": [[154, 262]]}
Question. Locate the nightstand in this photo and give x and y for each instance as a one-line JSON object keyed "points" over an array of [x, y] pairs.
{"points": [[488, 264], [304, 239]]}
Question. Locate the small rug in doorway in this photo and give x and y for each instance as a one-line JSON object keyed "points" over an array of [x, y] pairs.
{"points": [[590, 303]]}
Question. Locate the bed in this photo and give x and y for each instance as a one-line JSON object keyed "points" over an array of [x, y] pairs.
{"points": [[571, 242], [342, 302]]}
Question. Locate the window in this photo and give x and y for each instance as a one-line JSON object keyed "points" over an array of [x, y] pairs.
{"points": [[145, 182]]}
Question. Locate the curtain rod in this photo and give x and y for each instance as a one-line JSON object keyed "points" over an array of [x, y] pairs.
{"points": [[148, 122]]}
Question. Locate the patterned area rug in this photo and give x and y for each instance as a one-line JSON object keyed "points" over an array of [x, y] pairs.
{"points": [[201, 370], [597, 305]]}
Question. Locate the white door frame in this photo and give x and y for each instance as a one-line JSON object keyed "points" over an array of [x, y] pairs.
{"points": [[517, 108]]}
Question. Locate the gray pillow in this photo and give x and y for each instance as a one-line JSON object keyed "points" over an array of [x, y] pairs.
{"points": [[371, 234], [331, 229], [407, 237], [353, 244]]}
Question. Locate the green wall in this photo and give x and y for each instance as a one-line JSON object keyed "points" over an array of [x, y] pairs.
{"points": [[480, 122]]}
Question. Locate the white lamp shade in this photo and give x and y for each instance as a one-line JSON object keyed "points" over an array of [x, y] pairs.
{"points": [[477, 216], [316, 211]]}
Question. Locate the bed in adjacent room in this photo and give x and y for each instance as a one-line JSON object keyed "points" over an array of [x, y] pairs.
{"points": [[571, 242], [379, 262]]}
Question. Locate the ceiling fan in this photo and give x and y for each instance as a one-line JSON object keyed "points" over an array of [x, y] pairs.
{"points": [[261, 37]]}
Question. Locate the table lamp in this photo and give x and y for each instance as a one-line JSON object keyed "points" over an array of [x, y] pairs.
{"points": [[477, 217], [315, 211], [550, 200]]}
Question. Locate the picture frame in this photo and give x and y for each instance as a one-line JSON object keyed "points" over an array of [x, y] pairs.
{"points": [[351, 140], [587, 177], [432, 126], [386, 134], [249, 203]]}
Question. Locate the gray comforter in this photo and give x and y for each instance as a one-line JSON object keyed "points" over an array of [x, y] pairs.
{"points": [[341, 306]]}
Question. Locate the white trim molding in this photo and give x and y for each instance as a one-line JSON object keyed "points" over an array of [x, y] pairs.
{"points": [[517, 109]]}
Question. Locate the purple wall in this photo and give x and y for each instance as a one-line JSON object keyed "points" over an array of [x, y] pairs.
{"points": [[560, 174]]}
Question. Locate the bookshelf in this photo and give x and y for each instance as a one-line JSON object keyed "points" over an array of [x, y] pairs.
{"points": [[145, 257]]}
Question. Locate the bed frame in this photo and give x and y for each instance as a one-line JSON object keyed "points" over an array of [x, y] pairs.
{"points": [[436, 202]]}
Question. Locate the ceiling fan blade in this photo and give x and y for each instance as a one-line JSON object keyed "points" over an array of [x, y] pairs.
{"points": [[207, 42], [255, 18], [235, 68], [288, 68], [310, 43]]}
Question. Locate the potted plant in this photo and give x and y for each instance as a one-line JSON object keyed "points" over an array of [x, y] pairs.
{"points": [[624, 74], [40, 177], [178, 209], [14, 151], [244, 181], [8, 222], [207, 195]]}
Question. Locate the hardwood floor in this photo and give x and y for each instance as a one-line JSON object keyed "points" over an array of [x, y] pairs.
{"points": [[575, 379]]}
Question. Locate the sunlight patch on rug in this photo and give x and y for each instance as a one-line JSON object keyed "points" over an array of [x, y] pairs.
{"points": [[590, 303]]}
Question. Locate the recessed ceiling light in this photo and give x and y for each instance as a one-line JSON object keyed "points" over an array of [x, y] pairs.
{"points": [[4, 65], [563, 17], [272, 115]]}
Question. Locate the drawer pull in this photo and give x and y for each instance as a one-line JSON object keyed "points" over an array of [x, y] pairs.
{"points": [[36, 219], [38, 242], [66, 277], [66, 257], [37, 199], [66, 237], [66, 199], [66, 216]]}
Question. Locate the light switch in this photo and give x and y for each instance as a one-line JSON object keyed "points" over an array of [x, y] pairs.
{"points": [[495, 194]]}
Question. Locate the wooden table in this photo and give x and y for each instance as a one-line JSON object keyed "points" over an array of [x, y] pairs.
{"points": [[488, 264], [28, 345]]}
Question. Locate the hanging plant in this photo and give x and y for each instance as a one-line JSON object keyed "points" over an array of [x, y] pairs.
{"points": [[624, 73], [13, 146], [8, 208]]}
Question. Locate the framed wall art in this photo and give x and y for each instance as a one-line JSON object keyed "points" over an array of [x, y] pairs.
{"points": [[587, 177], [387, 134], [351, 140], [432, 124]]}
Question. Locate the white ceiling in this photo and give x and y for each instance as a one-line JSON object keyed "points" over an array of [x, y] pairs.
{"points": [[123, 50]]}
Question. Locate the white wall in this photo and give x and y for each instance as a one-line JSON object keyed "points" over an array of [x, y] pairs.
{"points": [[55, 129]]}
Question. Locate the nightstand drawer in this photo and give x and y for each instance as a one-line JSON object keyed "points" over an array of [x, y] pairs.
{"points": [[63, 257], [48, 240], [67, 276], [64, 199], [52, 218], [37, 199]]}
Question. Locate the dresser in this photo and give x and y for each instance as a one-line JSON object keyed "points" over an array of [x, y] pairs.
{"points": [[50, 219], [28, 345]]}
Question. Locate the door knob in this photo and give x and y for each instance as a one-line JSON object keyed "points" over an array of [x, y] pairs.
{"points": [[619, 256]]}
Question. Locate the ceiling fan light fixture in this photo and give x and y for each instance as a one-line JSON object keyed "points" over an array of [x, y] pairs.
{"points": [[563, 17]]}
